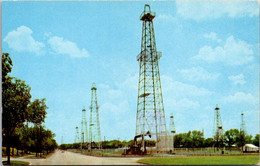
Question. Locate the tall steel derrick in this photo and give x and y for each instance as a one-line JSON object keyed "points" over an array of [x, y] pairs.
{"points": [[218, 128], [172, 128], [243, 124], [84, 129], [77, 135], [150, 110], [172, 131], [94, 125]]}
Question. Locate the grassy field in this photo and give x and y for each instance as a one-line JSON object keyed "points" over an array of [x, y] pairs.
{"points": [[13, 162], [209, 160]]}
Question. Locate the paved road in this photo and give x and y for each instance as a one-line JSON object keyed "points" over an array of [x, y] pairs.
{"points": [[69, 158]]}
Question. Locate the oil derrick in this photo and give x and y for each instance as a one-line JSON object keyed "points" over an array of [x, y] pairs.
{"points": [[172, 132], [150, 110], [243, 124], [218, 128], [77, 135], [84, 129], [94, 126], [172, 125], [61, 140]]}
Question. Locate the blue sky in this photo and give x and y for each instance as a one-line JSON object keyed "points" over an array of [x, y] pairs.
{"points": [[210, 56]]}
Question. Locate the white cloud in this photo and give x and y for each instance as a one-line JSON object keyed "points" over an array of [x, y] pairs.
{"points": [[234, 52], [212, 36], [120, 115], [240, 97], [182, 104], [63, 46], [238, 79], [198, 74], [166, 17], [176, 88], [21, 40], [115, 110], [131, 83], [199, 10]]}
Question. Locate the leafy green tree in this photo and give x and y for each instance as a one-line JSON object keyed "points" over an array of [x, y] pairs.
{"points": [[18, 109], [16, 97], [27, 143], [208, 142], [231, 137], [256, 140], [49, 143], [178, 140], [6, 66], [242, 139], [37, 111], [197, 138], [248, 139], [187, 140], [40, 139]]}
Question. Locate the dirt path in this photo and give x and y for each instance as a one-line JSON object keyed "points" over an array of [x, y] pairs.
{"points": [[69, 158]]}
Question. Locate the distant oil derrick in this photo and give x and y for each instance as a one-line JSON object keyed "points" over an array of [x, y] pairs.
{"points": [[172, 125], [77, 135], [172, 132], [61, 140], [84, 129], [243, 124], [94, 125], [150, 110], [218, 128]]}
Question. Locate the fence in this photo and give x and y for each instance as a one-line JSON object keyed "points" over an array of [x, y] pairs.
{"points": [[210, 151], [207, 151]]}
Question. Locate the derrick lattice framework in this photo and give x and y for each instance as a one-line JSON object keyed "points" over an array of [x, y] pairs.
{"points": [[218, 128], [150, 109], [94, 125], [84, 129], [77, 135], [172, 131], [172, 128], [243, 124]]}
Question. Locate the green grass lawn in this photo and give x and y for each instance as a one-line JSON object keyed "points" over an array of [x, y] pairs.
{"points": [[14, 162], [205, 160]]}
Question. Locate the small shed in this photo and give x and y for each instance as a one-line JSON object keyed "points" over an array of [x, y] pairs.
{"points": [[250, 148]]}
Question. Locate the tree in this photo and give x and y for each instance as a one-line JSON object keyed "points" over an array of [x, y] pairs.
{"points": [[16, 97], [256, 140], [18, 109], [6, 65], [208, 142], [37, 111], [187, 140], [248, 139], [242, 139], [49, 143], [231, 137], [197, 138], [178, 140]]}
